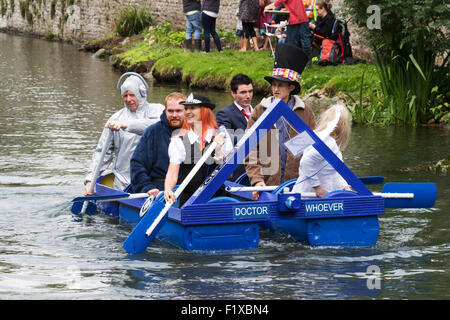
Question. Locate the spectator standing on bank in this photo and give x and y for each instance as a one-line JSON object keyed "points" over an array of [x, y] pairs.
{"points": [[263, 18], [210, 12], [248, 13], [298, 33], [239, 31], [191, 9]]}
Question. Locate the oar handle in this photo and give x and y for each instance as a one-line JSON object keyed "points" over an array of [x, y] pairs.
{"points": [[99, 164], [397, 195], [85, 205], [159, 218], [389, 195], [250, 189]]}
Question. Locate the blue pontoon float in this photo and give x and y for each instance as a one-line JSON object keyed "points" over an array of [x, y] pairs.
{"points": [[341, 218]]}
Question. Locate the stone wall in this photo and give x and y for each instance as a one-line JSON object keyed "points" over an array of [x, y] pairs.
{"points": [[92, 19], [81, 20]]}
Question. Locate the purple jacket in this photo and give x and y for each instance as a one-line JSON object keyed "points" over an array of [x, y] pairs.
{"points": [[211, 5]]}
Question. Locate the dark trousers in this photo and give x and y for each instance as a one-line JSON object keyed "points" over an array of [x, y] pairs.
{"points": [[299, 35], [249, 31], [209, 28]]}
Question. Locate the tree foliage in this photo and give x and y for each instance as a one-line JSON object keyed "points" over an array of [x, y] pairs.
{"points": [[412, 48], [404, 23]]}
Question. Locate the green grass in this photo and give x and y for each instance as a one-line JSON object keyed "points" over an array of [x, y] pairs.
{"points": [[142, 52], [216, 70], [341, 78]]}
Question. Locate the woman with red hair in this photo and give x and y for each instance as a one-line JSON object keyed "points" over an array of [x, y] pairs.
{"points": [[198, 131]]}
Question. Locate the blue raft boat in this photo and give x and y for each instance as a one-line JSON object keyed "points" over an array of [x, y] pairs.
{"points": [[341, 218]]}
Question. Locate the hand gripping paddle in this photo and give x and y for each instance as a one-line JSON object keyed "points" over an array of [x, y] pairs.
{"points": [[150, 224]]}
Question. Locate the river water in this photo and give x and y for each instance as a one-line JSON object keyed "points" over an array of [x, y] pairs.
{"points": [[54, 101]]}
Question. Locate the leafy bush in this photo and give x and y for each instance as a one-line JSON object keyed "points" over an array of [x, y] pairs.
{"points": [[163, 34], [132, 21], [49, 35], [142, 52], [228, 35], [411, 37]]}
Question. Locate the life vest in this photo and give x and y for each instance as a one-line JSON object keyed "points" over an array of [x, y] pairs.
{"points": [[193, 155]]}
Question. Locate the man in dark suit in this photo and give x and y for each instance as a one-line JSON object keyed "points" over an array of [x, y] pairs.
{"points": [[236, 115]]}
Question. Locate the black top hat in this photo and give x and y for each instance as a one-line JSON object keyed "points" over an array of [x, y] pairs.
{"points": [[195, 99], [289, 64]]}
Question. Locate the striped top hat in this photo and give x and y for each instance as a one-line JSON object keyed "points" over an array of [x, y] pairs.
{"points": [[289, 64]]}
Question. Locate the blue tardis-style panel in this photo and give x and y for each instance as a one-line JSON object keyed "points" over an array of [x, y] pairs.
{"points": [[344, 220], [252, 137]]}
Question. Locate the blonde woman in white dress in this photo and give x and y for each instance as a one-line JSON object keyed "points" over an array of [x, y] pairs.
{"points": [[316, 175]]}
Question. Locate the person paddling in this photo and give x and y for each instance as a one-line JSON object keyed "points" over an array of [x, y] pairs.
{"points": [[315, 174], [128, 124], [270, 163], [198, 131], [150, 160]]}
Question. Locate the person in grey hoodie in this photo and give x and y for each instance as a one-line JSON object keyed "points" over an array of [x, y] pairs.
{"points": [[127, 125], [210, 11]]}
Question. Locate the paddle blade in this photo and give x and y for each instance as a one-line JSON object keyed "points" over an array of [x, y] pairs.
{"points": [[424, 194], [77, 206], [138, 241]]}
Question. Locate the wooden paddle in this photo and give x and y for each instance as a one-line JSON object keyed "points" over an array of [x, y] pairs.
{"points": [[150, 224]]}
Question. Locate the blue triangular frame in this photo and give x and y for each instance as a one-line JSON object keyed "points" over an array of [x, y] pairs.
{"points": [[251, 138]]}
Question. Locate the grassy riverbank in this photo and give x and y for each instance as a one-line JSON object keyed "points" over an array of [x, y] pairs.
{"points": [[215, 70], [172, 63], [158, 52]]}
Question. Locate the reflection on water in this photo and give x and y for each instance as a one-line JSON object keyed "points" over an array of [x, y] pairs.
{"points": [[54, 101]]}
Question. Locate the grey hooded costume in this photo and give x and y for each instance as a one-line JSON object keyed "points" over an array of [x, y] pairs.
{"points": [[126, 140]]}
